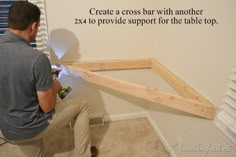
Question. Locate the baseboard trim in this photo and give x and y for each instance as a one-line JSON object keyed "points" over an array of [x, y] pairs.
{"points": [[160, 135], [108, 118]]}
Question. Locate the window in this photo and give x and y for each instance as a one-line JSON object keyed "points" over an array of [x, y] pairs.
{"points": [[4, 7], [226, 119], [42, 37]]}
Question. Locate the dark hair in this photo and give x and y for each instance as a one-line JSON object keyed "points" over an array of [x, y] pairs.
{"points": [[23, 13]]}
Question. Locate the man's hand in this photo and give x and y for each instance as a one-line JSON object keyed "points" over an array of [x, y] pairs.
{"points": [[56, 71]]}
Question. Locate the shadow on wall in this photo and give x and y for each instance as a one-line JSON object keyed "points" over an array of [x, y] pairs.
{"points": [[64, 47]]}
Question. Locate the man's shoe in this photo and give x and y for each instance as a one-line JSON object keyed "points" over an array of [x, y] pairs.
{"points": [[94, 151]]}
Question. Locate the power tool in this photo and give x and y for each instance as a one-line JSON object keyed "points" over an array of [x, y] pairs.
{"points": [[62, 93]]}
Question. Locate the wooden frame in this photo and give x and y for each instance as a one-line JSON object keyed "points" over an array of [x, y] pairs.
{"points": [[189, 100]]}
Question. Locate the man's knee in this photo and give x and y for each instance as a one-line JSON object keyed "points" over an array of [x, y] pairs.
{"points": [[80, 104]]}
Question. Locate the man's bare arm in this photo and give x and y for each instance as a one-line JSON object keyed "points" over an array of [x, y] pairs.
{"points": [[47, 99]]}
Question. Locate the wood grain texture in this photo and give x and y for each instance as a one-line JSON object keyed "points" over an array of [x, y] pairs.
{"points": [[178, 84], [113, 64], [177, 102]]}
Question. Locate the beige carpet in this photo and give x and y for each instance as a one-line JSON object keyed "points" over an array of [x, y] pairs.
{"points": [[128, 138]]}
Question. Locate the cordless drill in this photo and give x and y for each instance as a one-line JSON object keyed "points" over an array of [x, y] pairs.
{"points": [[62, 93]]}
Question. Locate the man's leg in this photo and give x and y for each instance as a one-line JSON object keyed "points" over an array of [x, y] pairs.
{"points": [[31, 149], [66, 111], [81, 133], [77, 110], [26, 149]]}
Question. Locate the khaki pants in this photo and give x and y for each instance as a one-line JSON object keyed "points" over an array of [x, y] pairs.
{"points": [[66, 111]]}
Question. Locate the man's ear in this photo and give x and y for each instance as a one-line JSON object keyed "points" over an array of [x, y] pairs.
{"points": [[33, 30], [34, 26]]}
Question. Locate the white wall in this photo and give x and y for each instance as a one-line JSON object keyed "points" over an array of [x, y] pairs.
{"points": [[201, 55], [105, 42]]}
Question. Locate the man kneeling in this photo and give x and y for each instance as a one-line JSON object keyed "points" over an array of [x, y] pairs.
{"points": [[28, 94]]}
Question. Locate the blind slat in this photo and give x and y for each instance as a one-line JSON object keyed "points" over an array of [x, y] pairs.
{"points": [[231, 93], [227, 114], [233, 129], [3, 25], [10, 2], [226, 118], [42, 37], [229, 109], [230, 101], [4, 7], [3, 20], [232, 85]]}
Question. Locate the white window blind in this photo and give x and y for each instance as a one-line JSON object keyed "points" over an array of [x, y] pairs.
{"points": [[42, 37], [226, 119], [4, 8]]}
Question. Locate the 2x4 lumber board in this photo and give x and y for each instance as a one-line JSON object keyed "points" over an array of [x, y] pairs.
{"points": [[178, 84], [153, 95], [113, 64]]}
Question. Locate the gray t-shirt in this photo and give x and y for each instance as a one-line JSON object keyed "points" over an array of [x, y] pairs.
{"points": [[23, 72]]}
